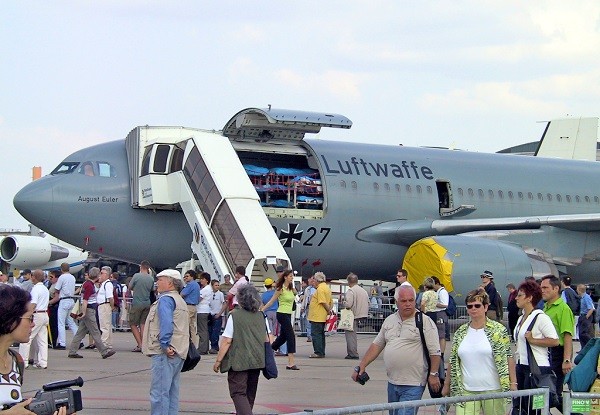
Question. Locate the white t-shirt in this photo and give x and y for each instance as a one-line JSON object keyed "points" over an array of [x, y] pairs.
{"points": [[477, 362], [228, 331], [443, 298], [40, 296], [216, 302], [105, 292], [205, 297], [543, 328]]}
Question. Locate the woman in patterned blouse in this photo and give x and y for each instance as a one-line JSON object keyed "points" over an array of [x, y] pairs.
{"points": [[481, 360]]}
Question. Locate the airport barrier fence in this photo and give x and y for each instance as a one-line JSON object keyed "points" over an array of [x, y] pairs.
{"points": [[530, 401], [380, 310]]}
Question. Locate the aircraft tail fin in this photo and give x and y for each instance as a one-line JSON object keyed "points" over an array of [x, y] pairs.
{"points": [[570, 138]]}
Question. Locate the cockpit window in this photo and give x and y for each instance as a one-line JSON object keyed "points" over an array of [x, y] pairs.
{"points": [[97, 168], [66, 167]]}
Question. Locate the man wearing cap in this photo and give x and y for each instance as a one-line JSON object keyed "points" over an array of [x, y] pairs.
{"points": [[168, 345], [487, 282], [271, 312]]}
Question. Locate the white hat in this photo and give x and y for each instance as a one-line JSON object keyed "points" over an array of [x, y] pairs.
{"points": [[170, 273]]}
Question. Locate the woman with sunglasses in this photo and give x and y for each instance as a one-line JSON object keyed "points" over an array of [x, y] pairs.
{"points": [[542, 336], [481, 360], [16, 324]]}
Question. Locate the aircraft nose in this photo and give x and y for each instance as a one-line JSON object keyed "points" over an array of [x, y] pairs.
{"points": [[34, 202]]}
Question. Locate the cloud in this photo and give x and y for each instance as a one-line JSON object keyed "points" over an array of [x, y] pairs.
{"points": [[341, 84]]}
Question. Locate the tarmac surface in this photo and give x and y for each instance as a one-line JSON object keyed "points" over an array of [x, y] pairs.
{"points": [[121, 383]]}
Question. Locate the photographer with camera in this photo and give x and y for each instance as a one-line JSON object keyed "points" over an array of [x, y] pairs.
{"points": [[404, 357], [16, 325]]}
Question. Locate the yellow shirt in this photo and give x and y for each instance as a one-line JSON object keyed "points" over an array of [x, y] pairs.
{"points": [[316, 310]]}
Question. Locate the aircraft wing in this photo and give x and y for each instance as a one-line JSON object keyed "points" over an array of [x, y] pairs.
{"points": [[405, 232]]}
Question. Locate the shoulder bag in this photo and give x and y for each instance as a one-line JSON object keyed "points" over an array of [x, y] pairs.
{"points": [[538, 379], [346, 321], [270, 369], [192, 358]]}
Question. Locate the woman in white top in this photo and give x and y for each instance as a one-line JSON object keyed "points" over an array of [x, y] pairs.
{"points": [[542, 336], [481, 360]]}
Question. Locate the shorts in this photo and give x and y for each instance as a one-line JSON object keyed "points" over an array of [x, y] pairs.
{"points": [[138, 315], [442, 320]]}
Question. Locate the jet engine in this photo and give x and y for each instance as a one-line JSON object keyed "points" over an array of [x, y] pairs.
{"points": [[459, 261], [30, 251]]}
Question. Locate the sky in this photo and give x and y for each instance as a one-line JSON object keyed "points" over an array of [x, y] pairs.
{"points": [[477, 75]]}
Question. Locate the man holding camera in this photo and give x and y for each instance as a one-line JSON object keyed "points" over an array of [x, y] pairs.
{"points": [[404, 355]]}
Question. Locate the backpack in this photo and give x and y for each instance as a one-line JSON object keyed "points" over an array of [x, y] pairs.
{"points": [[451, 309], [573, 300], [117, 293], [581, 378]]}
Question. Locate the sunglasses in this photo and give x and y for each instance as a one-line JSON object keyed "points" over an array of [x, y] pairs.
{"points": [[30, 318], [470, 306]]}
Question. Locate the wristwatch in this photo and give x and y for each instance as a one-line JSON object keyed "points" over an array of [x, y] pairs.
{"points": [[357, 369], [436, 374], [567, 361]]}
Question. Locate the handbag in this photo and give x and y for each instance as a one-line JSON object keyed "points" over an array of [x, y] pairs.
{"points": [[537, 379], [270, 369], [75, 310], [346, 321], [192, 358]]}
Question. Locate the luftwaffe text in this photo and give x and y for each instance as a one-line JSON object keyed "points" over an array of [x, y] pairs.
{"points": [[402, 170]]}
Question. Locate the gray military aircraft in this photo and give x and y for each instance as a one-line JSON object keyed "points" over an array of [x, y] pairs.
{"points": [[334, 206]]}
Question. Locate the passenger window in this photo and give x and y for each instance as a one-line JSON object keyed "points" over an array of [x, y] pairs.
{"points": [[375, 185], [577, 199], [460, 191], [549, 197], [521, 195], [510, 195], [386, 186], [398, 187], [558, 198], [530, 195], [491, 194], [471, 192], [343, 184], [354, 185], [419, 189], [408, 189], [66, 167], [596, 199], [500, 194], [587, 199], [540, 196], [568, 197], [481, 193], [430, 190]]}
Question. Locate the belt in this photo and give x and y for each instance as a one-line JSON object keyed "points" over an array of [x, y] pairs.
{"points": [[41, 311], [68, 298]]}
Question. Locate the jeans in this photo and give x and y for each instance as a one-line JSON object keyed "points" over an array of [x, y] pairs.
{"points": [[401, 393], [318, 337], [215, 331], [164, 386], [115, 318], [64, 308]]}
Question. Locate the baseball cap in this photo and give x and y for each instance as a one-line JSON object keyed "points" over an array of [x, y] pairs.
{"points": [[170, 273], [268, 281], [487, 274]]}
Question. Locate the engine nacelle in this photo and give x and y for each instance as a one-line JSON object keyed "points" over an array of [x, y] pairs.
{"points": [[459, 261], [26, 251]]}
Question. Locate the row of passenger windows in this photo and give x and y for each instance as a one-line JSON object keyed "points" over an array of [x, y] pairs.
{"points": [[481, 194]]}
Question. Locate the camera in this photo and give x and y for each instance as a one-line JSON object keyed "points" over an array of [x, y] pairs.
{"points": [[56, 395], [362, 379]]}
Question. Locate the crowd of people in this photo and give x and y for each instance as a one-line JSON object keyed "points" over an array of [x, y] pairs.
{"points": [[172, 313]]}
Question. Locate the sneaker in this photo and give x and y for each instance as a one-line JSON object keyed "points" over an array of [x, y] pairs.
{"points": [[60, 347], [108, 354], [137, 349], [213, 351], [351, 357], [37, 366], [75, 356], [316, 356]]}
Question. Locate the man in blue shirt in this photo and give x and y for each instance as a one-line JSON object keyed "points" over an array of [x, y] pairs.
{"points": [[191, 295], [585, 324]]}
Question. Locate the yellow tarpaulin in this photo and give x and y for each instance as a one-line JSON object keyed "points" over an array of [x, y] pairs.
{"points": [[426, 258]]}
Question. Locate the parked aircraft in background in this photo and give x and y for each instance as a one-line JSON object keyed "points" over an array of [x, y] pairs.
{"points": [[334, 206], [570, 138], [46, 253]]}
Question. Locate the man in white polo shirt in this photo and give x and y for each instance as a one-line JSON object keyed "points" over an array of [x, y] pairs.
{"points": [[65, 287], [39, 334]]}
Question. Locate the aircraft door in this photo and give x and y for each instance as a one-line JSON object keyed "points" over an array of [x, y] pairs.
{"points": [[444, 191]]}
